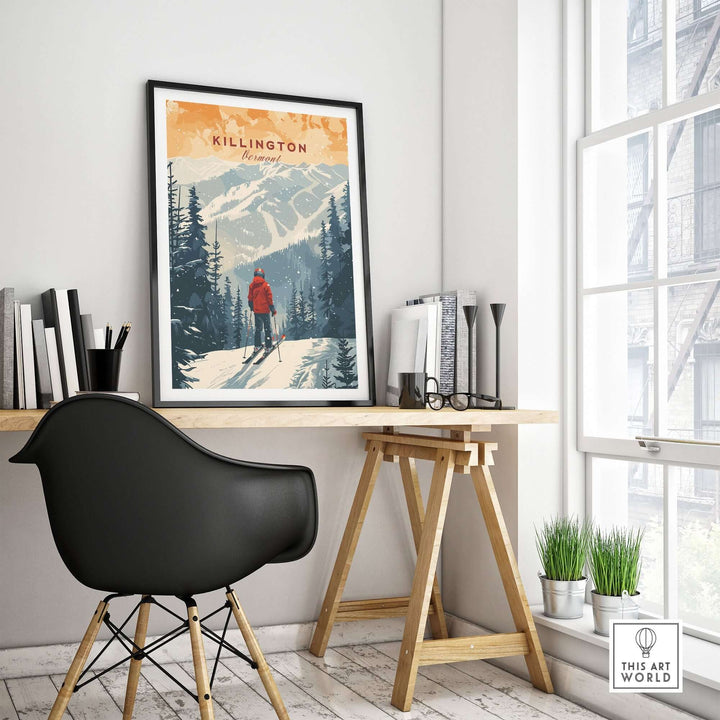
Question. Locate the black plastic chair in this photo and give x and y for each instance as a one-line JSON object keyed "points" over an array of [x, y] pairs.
{"points": [[138, 508]]}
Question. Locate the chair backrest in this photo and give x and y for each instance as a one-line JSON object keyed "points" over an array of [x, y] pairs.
{"points": [[136, 506]]}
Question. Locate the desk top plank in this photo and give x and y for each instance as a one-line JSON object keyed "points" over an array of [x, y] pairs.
{"points": [[297, 417]]}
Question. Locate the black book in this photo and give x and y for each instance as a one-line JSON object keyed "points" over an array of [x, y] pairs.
{"points": [[79, 340], [50, 316]]}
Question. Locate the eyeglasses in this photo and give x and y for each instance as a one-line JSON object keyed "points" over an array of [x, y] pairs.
{"points": [[457, 401]]}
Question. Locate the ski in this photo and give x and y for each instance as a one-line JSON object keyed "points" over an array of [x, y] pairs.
{"points": [[267, 354], [253, 355]]}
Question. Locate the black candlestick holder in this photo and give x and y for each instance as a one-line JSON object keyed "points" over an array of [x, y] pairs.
{"points": [[498, 310]]}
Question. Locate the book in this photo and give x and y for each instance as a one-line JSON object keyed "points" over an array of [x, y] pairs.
{"points": [[7, 347], [54, 363], [78, 340], [42, 365], [28, 357], [19, 380], [88, 333], [56, 313], [456, 343], [448, 329]]}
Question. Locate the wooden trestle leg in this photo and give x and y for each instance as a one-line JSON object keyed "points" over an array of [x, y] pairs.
{"points": [[136, 663], [346, 552], [414, 500], [457, 454], [514, 590], [78, 663], [423, 580]]}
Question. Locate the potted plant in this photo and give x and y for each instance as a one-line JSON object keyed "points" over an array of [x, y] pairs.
{"points": [[615, 572], [562, 544]]}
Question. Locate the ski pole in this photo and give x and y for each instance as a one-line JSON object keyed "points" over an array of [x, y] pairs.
{"points": [[277, 338]]}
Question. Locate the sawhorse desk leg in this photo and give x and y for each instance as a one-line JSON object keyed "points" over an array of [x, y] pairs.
{"points": [[457, 454], [333, 609]]}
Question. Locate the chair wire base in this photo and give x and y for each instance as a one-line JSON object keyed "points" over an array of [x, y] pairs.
{"points": [[135, 652]]}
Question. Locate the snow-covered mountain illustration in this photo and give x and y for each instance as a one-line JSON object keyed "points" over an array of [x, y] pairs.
{"points": [[260, 208]]}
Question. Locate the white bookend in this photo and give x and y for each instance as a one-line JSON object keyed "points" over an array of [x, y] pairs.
{"points": [[19, 358], [42, 365], [99, 335], [68, 345], [54, 360], [28, 358]]}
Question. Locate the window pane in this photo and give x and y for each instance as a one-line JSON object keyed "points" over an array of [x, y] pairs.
{"points": [[627, 59], [617, 364], [618, 211], [694, 194], [697, 49], [699, 546], [630, 494], [693, 344]]}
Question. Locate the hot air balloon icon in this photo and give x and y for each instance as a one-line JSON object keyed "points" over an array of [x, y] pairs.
{"points": [[645, 639]]}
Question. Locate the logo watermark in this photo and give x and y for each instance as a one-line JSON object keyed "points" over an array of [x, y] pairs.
{"points": [[646, 656]]}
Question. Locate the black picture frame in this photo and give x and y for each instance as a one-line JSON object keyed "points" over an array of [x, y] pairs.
{"points": [[215, 192]]}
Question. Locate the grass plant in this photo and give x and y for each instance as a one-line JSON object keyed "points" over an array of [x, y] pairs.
{"points": [[615, 560], [562, 544]]}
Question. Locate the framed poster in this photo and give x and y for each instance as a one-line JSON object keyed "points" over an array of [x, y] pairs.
{"points": [[260, 279]]}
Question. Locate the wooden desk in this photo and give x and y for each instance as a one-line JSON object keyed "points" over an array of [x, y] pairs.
{"points": [[212, 418], [456, 452]]}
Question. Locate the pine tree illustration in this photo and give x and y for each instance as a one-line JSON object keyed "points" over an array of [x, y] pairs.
{"points": [[238, 321], [227, 324], [344, 366], [325, 377]]}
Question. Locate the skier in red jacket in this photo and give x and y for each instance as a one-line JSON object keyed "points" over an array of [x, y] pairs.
{"points": [[260, 300]]}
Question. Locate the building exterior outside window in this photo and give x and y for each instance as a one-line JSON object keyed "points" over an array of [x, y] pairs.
{"points": [[649, 282]]}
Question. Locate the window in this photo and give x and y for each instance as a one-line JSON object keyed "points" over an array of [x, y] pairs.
{"points": [[649, 291], [637, 21], [707, 186], [639, 204]]}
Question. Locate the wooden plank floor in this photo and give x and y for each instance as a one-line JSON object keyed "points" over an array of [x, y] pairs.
{"points": [[349, 683]]}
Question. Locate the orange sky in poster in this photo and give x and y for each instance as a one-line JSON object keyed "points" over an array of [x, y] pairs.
{"points": [[199, 131]]}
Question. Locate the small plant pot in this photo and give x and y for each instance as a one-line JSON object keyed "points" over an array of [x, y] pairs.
{"points": [[613, 607], [563, 599]]}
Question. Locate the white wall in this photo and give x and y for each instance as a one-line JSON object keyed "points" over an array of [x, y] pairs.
{"points": [[74, 190], [502, 235]]}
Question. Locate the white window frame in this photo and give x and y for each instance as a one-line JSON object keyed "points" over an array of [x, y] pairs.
{"points": [[658, 449], [656, 122]]}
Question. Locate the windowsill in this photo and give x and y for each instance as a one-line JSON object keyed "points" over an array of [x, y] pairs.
{"points": [[701, 658]]}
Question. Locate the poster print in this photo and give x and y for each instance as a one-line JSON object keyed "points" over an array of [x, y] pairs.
{"points": [[261, 292]]}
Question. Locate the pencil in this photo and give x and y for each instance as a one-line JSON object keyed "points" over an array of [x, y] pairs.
{"points": [[108, 336], [123, 336]]}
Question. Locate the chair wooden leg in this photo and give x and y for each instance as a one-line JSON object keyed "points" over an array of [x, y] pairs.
{"points": [[344, 559], [423, 580], [414, 500], [78, 663], [256, 654], [136, 663], [201, 674], [507, 565]]}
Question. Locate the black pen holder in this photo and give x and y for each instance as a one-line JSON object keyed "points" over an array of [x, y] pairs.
{"points": [[104, 369]]}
